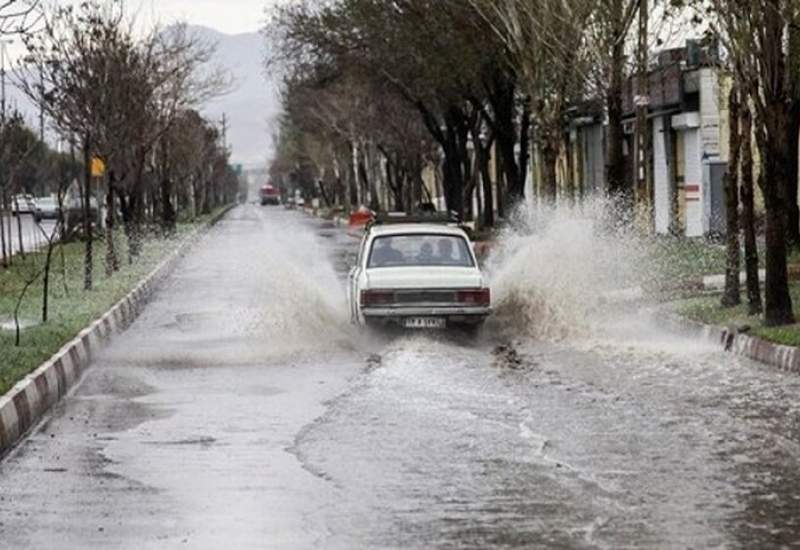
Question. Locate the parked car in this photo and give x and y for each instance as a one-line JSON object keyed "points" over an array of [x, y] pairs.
{"points": [[269, 195], [47, 208], [22, 204], [417, 275]]}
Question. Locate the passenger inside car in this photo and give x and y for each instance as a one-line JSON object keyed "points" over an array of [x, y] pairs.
{"points": [[445, 249], [385, 254], [425, 253]]}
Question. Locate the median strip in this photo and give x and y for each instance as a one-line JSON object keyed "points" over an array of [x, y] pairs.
{"points": [[32, 396]]}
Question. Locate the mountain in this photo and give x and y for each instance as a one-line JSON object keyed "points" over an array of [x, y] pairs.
{"points": [[253, 105], [250, 108]]}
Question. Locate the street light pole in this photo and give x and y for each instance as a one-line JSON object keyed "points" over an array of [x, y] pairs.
{"points": [[224, 132], [3, 81], [3, 44]]}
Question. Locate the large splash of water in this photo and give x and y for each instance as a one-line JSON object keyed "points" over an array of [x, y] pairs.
{"points": [[553, 269], [307, 302]]}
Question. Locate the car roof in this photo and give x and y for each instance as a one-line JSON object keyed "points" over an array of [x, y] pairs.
{"points": [[416, 229]]}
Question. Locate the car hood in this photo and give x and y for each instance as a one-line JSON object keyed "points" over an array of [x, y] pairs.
{"points": [[424, 277]]}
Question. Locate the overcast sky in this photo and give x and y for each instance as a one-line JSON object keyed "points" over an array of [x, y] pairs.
{"points": [[228, 16]]}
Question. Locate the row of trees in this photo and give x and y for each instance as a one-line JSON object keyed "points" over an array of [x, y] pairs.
{"points": [[377, 91], [125, 100], [27, 165], [392, 87], [762, 41], [132, 144]]}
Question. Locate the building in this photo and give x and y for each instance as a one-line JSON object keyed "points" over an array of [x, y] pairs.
{"points": [[688, 162]]}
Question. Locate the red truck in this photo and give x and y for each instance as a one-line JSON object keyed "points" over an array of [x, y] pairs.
{"points": [[269, 195]]}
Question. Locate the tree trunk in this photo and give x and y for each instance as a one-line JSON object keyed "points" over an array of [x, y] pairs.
{"points": [[570, 185], [549, 178], [453, 182], [87, 218], [20, 240], [46, 276], [793, 77], [486, 179], [502, 98], [168, 215], [778, 301], [10, 232], [748, 214], [112, 261], [524, 146], [500, 186], [732, 295], [792, 208], [136, 205], [3, 230], [615, 158]]}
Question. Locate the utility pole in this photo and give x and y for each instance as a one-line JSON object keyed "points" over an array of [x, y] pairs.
{"points": [[3, 45], [642, 101], [224, 132], [41, 106]]}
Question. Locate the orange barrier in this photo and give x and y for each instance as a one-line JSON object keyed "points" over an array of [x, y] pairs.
{"points": [[361, 217]]}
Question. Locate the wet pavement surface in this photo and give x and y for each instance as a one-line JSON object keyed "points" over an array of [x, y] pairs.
{"points": [[242, 411]]}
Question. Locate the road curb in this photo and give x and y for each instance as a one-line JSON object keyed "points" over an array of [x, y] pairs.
{"points": [[784, 358], [32, 397]]}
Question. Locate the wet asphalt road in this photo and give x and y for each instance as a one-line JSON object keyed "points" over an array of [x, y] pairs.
{"points": [[242, 411]]}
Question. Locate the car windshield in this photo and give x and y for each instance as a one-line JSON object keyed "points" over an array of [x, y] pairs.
{"points": [[420, 250], [46, 202]]}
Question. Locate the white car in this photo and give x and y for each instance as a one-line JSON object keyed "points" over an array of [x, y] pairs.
{"points": [[417, 275], [23, 204]]}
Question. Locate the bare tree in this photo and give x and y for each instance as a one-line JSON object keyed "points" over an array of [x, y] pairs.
{"points": [[66, 70], [748, 212], [756, 41], [545, 40], [731, 297], [19, 16]]}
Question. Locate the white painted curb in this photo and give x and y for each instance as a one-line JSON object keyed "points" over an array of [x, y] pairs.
{"points": [[33, 396], [785, 358]]}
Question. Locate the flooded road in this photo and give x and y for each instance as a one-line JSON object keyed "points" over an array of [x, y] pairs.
{"points": [[242, 411]]}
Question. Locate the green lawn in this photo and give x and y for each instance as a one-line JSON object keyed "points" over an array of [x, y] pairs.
{"points": [[707, 309], [674, 258], [71, 308]]}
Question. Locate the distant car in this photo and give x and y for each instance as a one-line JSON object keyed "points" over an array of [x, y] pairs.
{"points": [[269, 195], [417, 276], [23, 204], [46, 209], [300, 202], [289, 204]]}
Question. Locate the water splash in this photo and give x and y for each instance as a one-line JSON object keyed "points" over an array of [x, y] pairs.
{"points": [[553, 269], [306, 298]]}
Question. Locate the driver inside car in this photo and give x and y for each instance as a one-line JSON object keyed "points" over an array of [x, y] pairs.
{"points": [[425, 255], [385, 254]]}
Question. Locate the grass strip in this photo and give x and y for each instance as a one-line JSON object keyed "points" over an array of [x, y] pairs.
{"points": [[707, 309], [71, 308]]}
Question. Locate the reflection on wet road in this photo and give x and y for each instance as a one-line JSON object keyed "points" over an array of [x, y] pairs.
{"points": [[243, 411]]}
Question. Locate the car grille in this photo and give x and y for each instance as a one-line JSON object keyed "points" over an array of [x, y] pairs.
{"points": [[425, 297]]}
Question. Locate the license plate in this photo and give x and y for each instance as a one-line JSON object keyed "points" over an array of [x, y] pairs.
{"points": [[424, 322]]}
